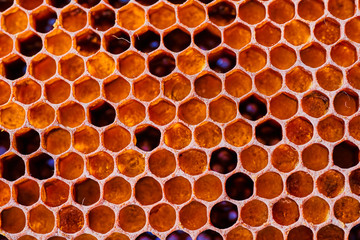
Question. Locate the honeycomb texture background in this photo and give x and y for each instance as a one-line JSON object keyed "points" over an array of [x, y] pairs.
{"points": [[179, 119]]}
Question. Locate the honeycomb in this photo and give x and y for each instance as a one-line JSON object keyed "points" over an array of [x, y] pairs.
{"points": [[179, 119]]}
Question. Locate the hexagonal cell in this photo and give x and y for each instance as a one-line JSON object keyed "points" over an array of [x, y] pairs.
{"points": [[73, 18], [349, 205], [132, 218], [131, 16], [331, 128], [345, 155], [222, 13], [252, 11], [315, 157], [346, 102], [116, 88], [71, 219], [239, 186], [26, 192], [233, 233], [102, 18], [191, 61], [315, 104], [117, 190], [131, 113], [131, 163], [12, 116], [281, 11], [86, 139], [330, 183], [284, 106], [223, 160], [299, 130], [26, 141], [193, 215], [354, 232], [146, 40], [298, 79], [299, 184], [12, 220], [192, 111], [282, 57], [268, 132], [101, 219], [55, 193], [29, 5], [191, 14], [146, 89], [254, 213], [310, 9], [178, 234], [58, 42], [14, 20], [13, 67], [252, 59], [297, 32], [87, 43], [86, 89], [208, 86], [341, 8], [269, 185], [207, 135], [100, 65], [28, 43], [88, 3], [285, 158], [162, 15], [237, 35], [27, 91], [7, 44], [4, 142], [176, 87], [285, 211], [354, 130], [193, 161], [71, 67], [254, 158], [147, 138], [223, 214], [327, 31], [116, 138], [208, 188], [148, 191], [267, 34], [56, 140], [86, 192], [222, 60], [161, 112], [330, 78], [42, 67], [131, 64], [354, 181], [177, 39], [162, 163], [58, 4], [41, 166], [6, 4], [41, 219], [313, 55], [70, 166], [238, 83], [343, 54], [12, 167], [222, 110], [301, 230], [177, 136], [162, 63], [116, 41], [57, 91], [43, 19], [352, 28], [268, 82], [209, 234], [101, 114], [6, 193], [253, 107], [177, 190]]}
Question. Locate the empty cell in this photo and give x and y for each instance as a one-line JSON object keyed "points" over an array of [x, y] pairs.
{"points": [[116, 41], [13, 67], [100, 65], [148, 191], [343, 54], [193, 215], [54, 193], [71, 66], [207, 38], [29, 5], [162, 163], [177, 39], [268, 82], [331, 128], [269, 185], [86, 89], [352, 29], [86, 192], [239, 186], [285, 211], [177, 190], [281, 11], [26, 192], [207, 85], [299, 184], [101, 219], [222, 60], [14, 20], [176, 87], [131, 113], [71, 219], [315, 157], [27, 91], [5, 92], [223, 160], [146, 88], [239, 231], [102, 18], [162, 217], [43, 19], [330, 183], [341, 8], [5, 5], [252, 59], [87, 42], [254, 213], [237, 35], [71, 114], [282, 57], [346, 102], [347, 209], [147, 137], [223, 214], [42, 67], [310, 10], [88, 3], [252, 11], [4, 141], [117, 190], [345, 155], [177, 136], [132, 218], [5, 193], [297, 32], [161, 112], [267, 34], [254, 158], [298, 79], [115, 88], [12, 167], [299, 131], [300, 233], [101, 113], [284, 106], [193, 161], [330, 232], [12, 116], [28, 43], [285, 158], [327, 31], [178, 234], [86, 139], [238, 83], [208, 188], [162, 16], [41, 219], [146, 40], [315, 210], [315, 104], [313, 55], [253, 107], [117, 4], [269, 232], [207, 135], [58, 4], [41, 115], [41, 166], [12, 220], [73, 18], [100, 165], [131, 64], [131, 16], [130, 163], [191, 14], [190, 62], [222, 13], [147, 236], [209, 234], [269, 132], [354, 232]]}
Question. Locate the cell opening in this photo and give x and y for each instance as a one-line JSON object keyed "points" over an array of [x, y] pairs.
{"points": [[223, 214], [147, 41], [117, 42], [59, 3], [102, 114], [14, 68], [253, 108], [208, 38], [147, 138], [44, 20], [222, 61], [161, 65], [12, 167], [147, 235], [269, 132], [209, 235], [86, 192], [239, 186], [102, 19], [222, 13], [4, 141], [346, 155], [41, 166], [178, 235], [223, 160], [29, 44], [27, 141], [177, 40]]}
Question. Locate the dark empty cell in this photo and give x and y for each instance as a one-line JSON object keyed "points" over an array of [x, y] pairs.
{"points": [[103, 19], [222, 13], [177, 1], [27, 142], [88, 43], [44, 21], [147, 236], [59, 3], [253, 108], [223, 160], [12, 167], [86, 192], [223, 214], [27, 192], [239, 186], [147, 41], [177, 235], [5, 4], [162, 65], [118, 3], [177, 40], [222, 61], [88, 3], [117, 43], [206, 1], [2, 237], [300, 233], [41, 166], [15, 69], [346, 155], [355, 233], [207, 39], [146, 2], [209, 235], [147, 138], [268, 132], [102, 114], [30, 46], [4, 142]]}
